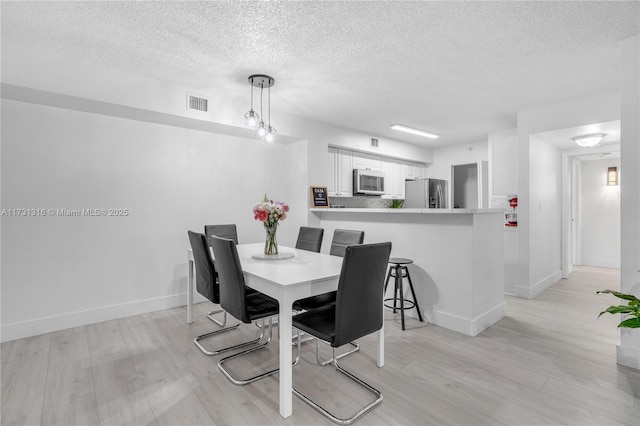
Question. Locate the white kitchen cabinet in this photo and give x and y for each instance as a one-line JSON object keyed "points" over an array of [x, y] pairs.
{"points": [[342, 163], [415, 171], [399, 178], [412, 171], [364, 161], [332, 161], [388, 168], [341, 179], [394, 175]]}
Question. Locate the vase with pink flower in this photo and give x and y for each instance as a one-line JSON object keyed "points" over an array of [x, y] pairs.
{"points": [[270, 213]]}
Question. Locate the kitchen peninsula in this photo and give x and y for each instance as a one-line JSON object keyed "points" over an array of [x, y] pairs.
{"points": [[458, 269]]}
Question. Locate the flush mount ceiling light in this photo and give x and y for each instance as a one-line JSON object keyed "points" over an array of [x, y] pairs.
{"points": [[589, 140], [413, 131], [252, 119]]}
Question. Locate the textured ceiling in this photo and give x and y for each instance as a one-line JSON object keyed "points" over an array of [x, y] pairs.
{"points": [[459, 69]]}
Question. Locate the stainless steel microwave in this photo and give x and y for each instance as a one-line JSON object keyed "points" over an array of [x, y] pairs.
{"points": [[368, 182]]}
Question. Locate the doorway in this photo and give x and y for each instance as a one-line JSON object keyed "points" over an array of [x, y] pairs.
{"points": [[591, 217]]}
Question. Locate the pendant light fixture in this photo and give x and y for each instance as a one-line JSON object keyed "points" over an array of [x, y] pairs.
{"points": [[252, 119]]}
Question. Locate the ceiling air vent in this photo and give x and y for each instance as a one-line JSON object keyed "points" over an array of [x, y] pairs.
{"points": [[374, 143], [197, 102]]}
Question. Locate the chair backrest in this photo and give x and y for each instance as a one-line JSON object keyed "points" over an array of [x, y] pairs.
{"points": [[360, 291], [343, 238], [205, 271], [310, 239], [232, 287], [228, 230]]}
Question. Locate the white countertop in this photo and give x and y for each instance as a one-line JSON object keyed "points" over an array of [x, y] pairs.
{"points": [[406, 211]]}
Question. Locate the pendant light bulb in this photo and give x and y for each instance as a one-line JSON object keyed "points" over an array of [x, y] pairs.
{"points": [[271, 134], [261, 130], [251, 118]]}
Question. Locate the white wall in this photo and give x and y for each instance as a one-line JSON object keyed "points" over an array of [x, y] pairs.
{"points": [[444, 158], [59, 272], [600, 215], [545, 215], [503, 162], [628, 350]]}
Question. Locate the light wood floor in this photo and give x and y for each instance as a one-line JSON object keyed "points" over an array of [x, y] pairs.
{"points": [[548, 361]]}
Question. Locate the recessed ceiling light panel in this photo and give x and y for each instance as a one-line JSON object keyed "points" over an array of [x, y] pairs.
{"points": [[413, 131]]}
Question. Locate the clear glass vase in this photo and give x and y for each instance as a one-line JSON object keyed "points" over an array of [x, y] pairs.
{"points": [[271, 243]]}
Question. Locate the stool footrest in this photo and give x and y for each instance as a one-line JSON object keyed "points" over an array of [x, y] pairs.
{"points": [[407, 304]]}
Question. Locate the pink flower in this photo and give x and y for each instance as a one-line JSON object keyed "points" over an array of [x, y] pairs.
{"points": [[261, 215]]}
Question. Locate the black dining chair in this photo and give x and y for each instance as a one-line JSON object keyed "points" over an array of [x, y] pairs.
{"points": [[310, 239], [207, 285], [356, 313], [225, 231], [243, 305], [343, 238]]}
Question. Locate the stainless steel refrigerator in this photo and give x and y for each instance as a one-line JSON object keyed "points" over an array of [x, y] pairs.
{"points": [[425, 193]]}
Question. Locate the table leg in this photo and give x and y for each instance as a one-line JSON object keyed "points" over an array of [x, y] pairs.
{"points": [[381, 344], [286, 370], [189, 291]]}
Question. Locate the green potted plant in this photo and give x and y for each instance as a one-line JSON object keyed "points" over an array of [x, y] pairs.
{"points": [[631, 309], [396, 204]]}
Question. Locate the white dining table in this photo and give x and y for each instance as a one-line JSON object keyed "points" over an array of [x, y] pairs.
{"points": [[286, 280]]}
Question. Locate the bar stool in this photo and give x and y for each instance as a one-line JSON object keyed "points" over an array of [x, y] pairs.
{"points": [[398, 270]]}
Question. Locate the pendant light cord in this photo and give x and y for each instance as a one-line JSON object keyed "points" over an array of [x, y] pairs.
{"points": [[269, 94], [251, 94], [261, 89]]}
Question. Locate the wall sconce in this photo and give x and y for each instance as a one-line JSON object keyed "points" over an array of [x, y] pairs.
{"points": [[612, 176]]}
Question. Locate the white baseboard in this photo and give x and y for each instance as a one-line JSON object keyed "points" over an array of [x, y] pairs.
{"points": [[539, 287], [38, 326], [601, 263], [628, 356], [470, 327]]}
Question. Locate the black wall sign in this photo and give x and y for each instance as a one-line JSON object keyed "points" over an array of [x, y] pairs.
{"points": [[319, 197]]}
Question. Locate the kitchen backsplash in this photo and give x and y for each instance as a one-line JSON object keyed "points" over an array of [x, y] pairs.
{"points": [[360, 202]]}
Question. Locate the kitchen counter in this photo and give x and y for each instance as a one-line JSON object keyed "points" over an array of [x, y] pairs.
{"points": [[458, 254], [405, 211]]}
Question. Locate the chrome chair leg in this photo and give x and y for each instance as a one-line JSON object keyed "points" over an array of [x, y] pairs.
{"points": [[259, 323], [224, 320], [303, 340], [207, 352], [330, 360], [241, 382], [358, 414]]}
